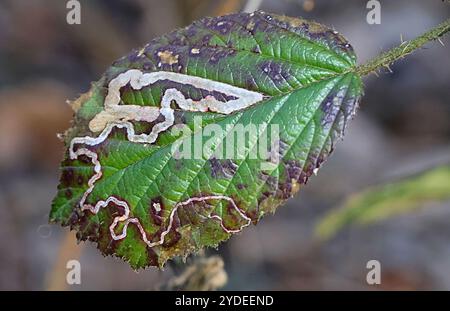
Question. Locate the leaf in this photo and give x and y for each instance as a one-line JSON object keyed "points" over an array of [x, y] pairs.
{"points": [[384, 201], [146, 204]]}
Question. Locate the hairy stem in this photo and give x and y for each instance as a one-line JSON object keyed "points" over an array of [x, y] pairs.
{"points": [[405, 48]]}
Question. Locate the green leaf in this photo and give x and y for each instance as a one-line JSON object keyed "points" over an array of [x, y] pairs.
{"points": [[285, 76], [381, 202]]}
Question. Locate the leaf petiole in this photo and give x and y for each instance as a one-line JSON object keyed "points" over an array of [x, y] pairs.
{"points": [[405, 48]]}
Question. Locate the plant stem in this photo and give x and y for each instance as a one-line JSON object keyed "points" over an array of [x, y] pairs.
{"points": [[405, 48]]}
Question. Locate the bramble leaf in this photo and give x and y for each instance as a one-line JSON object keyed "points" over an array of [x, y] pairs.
{"points": [[144, 190]]}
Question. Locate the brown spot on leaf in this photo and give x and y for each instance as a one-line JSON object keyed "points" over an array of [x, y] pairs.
{"points": [[241, 186], [152, 257], [156, 210], [74, 218], [274, 71], [167, 57], [84, 159], [193, 213], [67, 177], [80, 180], [232, 220], [222, 168], [330, 107], [218, 54], [87, 228], [173, 236], [68, 193], [77, 103], [205, 40], [250, 26]]}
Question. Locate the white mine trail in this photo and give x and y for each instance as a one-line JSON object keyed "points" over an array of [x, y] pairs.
{"points": [[117, 115]]}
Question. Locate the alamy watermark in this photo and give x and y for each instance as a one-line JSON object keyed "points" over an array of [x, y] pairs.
{"points": [[373, 17], [373, 277], [73, 276], [234, 141], [73, 16]]}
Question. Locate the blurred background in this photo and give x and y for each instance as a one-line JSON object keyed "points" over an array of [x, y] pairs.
{"points": [[402, 128]]}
